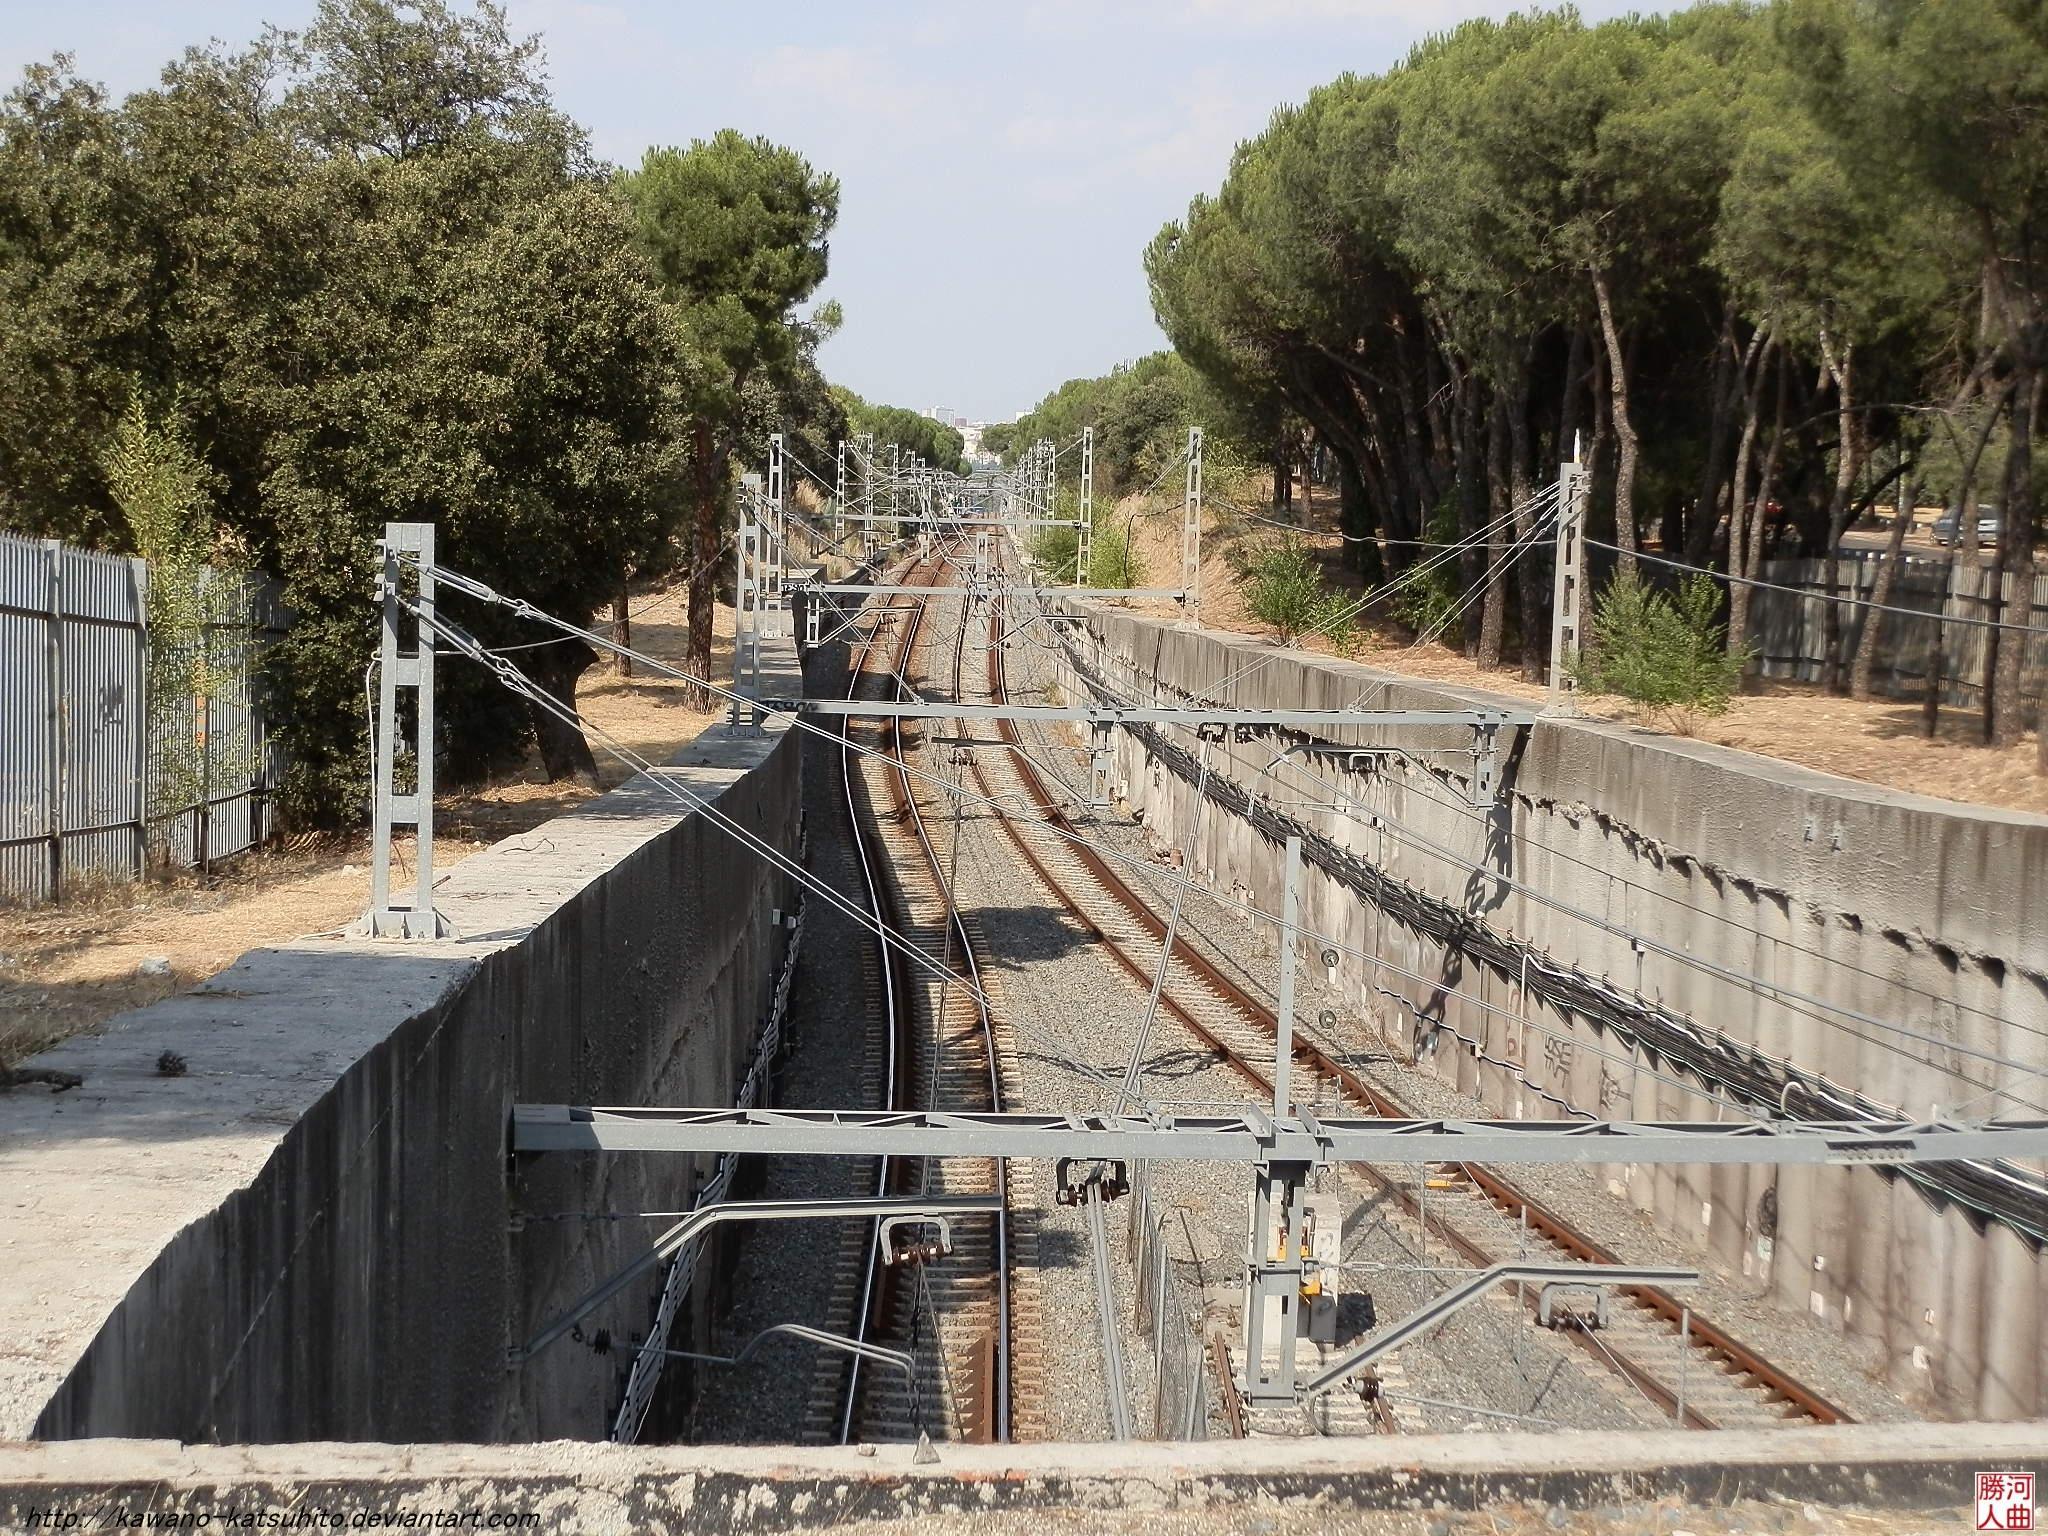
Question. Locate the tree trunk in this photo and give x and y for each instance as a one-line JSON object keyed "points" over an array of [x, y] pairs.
{"points": [[1841, 370], [1603, 424], [1754, 366], [1965, 501], [1469, 486], [1528, 570], [2015, 555], [1283, 479], [1421, 492], [1624, 426], [1745, 562], [1493, 618], [1575, 366], [1937, 662], [1353, 517], [622, 627], [1881, 590], [703, 550], [563, 751], [1727, 389]]}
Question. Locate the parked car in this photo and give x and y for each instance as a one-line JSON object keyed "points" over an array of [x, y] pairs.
{"points": [[1987, 526]]}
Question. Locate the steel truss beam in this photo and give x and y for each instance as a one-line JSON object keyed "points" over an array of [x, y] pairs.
{"points": [[1254, 1137]]}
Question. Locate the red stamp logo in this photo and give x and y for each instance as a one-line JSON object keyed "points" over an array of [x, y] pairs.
{"points": [[2005, 1501]]}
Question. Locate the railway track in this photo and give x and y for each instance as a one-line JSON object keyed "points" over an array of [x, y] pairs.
{"points": [[969, 1319], [1480, 1216]]}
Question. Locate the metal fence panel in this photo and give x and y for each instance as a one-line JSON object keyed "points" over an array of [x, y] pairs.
{"points": [[1790, 630], [27, 670], [83, 788], [101, 628]]}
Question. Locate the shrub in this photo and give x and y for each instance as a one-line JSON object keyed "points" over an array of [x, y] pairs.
{"points": [[1111, 560], [197, 638], [1427, 599], [1668, 655], [1283, 586], [1054, 549]]}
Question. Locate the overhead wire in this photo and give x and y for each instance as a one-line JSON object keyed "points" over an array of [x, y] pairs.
{"points": [[1778, 993], [464, 644], [1179, 886], [1469, 866], [1519, 549], [1757, 985], [1432, 783], [469, 585], [1409, 576]]}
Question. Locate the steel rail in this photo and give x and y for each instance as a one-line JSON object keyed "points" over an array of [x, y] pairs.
{"points": [[895, 996], [1780, 1384], [990, 1409], [906, 798]]}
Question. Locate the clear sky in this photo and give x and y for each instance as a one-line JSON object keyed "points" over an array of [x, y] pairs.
{"points": [[1002, 165]]}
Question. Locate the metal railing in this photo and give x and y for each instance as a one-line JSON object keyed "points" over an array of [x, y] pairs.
{"points": [[644, 1375]]}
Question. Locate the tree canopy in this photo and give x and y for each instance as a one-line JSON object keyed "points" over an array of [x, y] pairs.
{"points": [[1140, 412], [1758, 261], [370, 273], [737, 230], [914, 435]]}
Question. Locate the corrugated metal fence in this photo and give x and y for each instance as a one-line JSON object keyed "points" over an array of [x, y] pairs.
{"points": [[1790, 631], [89, 791]]}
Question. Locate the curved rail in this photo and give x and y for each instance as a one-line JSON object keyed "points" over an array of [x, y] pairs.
{"points": [[957, 934], [989, 1387], [895, 999]]}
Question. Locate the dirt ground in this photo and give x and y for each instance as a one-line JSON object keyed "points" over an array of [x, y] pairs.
{"points": [[65, 969], [1879, 742]]}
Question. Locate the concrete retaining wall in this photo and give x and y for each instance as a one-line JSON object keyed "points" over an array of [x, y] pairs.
{"points": [[1917, 912], [310, 1234]]}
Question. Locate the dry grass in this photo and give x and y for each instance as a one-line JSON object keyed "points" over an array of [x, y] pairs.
{"points": [[1878, 742], [66, 969]]}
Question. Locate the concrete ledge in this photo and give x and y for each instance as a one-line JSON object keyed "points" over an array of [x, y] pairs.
{"points": [[578, 1487], [307, 1235]]}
